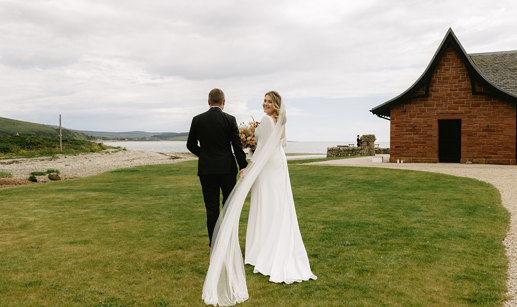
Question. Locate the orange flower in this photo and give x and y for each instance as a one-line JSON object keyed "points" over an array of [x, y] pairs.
{"points": [[247, 134]]}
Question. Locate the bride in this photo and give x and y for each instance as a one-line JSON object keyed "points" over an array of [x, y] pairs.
{"points": [[274, 244]]}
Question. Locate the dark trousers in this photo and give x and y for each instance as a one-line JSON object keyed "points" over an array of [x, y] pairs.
{"points": [[211, 186]]}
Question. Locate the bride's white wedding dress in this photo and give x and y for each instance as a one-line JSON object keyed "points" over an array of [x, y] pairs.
{"points": [[273, 240], [274, 244]]}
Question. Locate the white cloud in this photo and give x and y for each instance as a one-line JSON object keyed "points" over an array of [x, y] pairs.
{"points": [[133, 65]]}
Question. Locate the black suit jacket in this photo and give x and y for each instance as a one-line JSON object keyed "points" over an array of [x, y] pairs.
{"points": [[217, 133]]}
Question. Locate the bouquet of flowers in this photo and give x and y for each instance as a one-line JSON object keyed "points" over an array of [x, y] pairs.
{"points": [[247, 134]]}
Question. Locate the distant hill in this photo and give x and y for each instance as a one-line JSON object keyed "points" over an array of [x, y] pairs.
{"points": [[172, 136], [10, 127], [137, 135]]}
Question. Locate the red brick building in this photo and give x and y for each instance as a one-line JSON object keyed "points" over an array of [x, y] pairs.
{"points": [[462, 109]]}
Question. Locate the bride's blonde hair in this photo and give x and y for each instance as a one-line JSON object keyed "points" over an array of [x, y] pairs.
{"points": [[277, 102]]}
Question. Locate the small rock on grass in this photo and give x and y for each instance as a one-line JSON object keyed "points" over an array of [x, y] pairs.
{"points": [[54, 177]]}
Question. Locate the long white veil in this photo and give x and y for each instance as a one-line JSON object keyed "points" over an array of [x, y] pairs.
{"points": [[225, 282]]}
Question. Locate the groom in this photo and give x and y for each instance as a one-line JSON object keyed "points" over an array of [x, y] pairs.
{"points": [[212, 136]]}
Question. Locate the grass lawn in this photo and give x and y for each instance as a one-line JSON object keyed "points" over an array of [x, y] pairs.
{"points": [[138, 237]]}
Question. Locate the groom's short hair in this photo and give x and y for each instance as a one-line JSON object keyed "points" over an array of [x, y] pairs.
{"points": [[216, 97]]}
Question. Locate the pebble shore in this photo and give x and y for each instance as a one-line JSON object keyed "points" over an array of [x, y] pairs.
{"points": [[83, 165]]}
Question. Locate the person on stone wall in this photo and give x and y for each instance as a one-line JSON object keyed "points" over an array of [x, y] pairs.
{"points": [[359, 142]]}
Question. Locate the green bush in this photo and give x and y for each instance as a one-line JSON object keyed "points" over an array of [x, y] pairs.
{"points": [[32, 178], [5, 148], [55, 171], [38, 173]]}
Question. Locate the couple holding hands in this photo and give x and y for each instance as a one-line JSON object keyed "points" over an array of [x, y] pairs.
{"points": [[274, 244]]}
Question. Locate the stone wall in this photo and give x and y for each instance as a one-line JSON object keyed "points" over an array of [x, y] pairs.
{"points": [[382, 151], [488, 124], [367, 149], [344, 151]]}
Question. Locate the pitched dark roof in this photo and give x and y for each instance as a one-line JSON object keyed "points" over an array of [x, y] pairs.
{"points": [[500, 68], [499, 79]]}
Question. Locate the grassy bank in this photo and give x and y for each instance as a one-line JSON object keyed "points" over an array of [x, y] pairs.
{"points": [[137, 236], [18, 127], [34, 146]]}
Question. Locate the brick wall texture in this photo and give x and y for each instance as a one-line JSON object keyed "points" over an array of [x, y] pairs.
{"points": [[488, 124]]}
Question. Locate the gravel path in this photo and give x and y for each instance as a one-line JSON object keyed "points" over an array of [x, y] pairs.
{"points": [[82, 165], [503, 177]]}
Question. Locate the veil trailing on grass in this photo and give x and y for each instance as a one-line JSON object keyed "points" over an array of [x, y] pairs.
{"points": [[225, 282]]}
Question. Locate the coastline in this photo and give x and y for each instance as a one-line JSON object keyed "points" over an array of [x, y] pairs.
{"points": [[83, 165], [89, 164]]}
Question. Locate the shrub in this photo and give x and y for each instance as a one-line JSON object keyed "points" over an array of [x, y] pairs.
{"points": [[5, 148], [55, 171], [32, 178], [38, 173]]}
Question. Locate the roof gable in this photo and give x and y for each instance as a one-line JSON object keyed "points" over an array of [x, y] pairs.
{"points": [[492, 82]]}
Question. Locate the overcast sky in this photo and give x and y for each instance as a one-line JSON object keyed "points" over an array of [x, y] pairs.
{"points": [[149, 65]]}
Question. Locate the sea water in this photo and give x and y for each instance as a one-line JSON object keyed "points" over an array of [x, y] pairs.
{"points": [[293, 150]]}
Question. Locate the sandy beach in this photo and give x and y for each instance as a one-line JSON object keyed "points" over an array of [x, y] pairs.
{"points": [[83, 165]]}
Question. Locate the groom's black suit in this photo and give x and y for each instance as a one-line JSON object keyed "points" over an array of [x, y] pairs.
{"points": [[217, 133]]}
